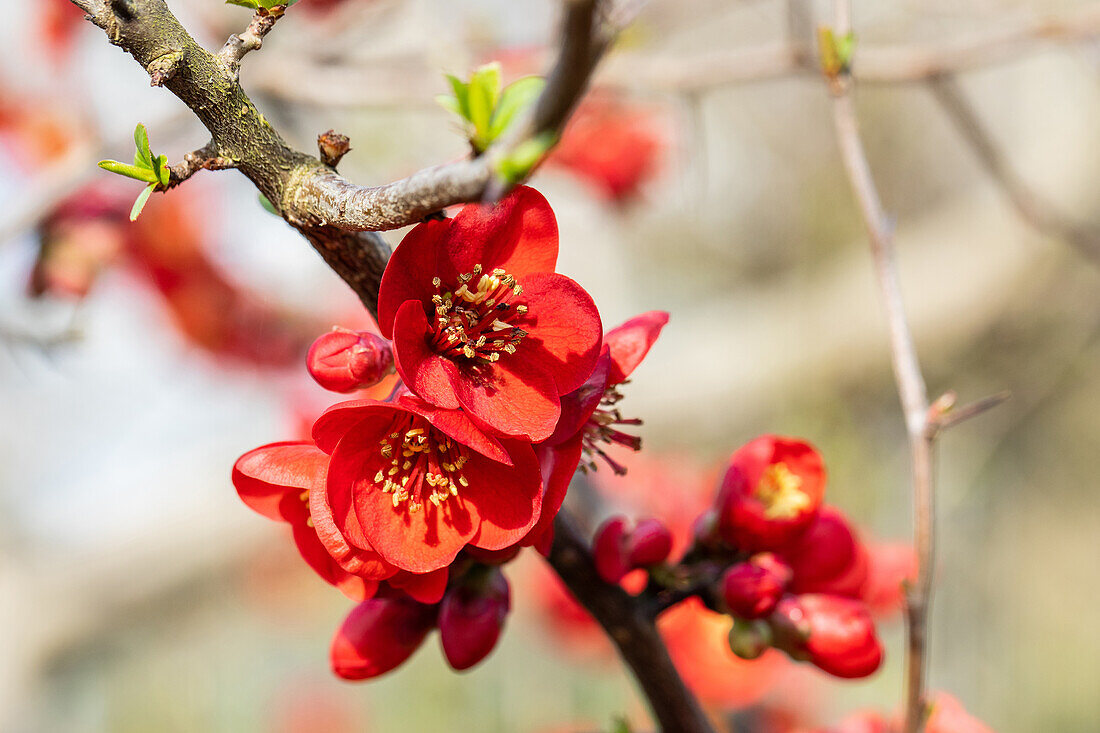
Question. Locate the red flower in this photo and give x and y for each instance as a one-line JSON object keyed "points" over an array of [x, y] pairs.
{"points": [[277, 480], [828, 557], [751, 589], [771, 492], [378, 635], [471, 617], [343, 360], [480, 320], [891, 565], [835, 634], [417, 483]]}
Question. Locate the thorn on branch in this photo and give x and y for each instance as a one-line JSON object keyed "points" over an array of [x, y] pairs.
{"points": [[333, 147]]}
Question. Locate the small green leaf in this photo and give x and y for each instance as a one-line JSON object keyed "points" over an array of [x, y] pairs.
{"points": [[268, 206], [163, 174], [243, 3], [449, 103], [141, 139], [514, 99], [620, 725], [525, 157], [462, 95], [141, 199], [483, 95], [130, 171]]}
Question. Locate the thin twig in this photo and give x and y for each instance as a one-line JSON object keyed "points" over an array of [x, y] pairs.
{"points": [[205, 158], [910, 381], [1035, 210], [252, 39]]}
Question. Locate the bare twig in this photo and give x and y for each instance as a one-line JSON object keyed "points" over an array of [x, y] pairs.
{"points": [[943, 414], [1037, 211], [631, 628], [252, 39], [205, 158]]}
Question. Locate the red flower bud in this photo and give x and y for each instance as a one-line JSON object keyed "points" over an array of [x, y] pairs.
{"points": [[771, 492], [378, 635], [839, 633], [471, 617], [828, 557], [752, 589], [608, 550], [649, 544], [343, 360]]}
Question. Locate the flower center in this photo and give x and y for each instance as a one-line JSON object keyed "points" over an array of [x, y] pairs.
{"points": [[420, 462], [600, 428], [472, 322], [780, 491]]}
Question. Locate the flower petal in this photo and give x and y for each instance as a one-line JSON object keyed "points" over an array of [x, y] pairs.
{"points": [[630, 342], [423, 587], [424, 371], [518, 398], [559, 463], [508, 499], [409, 272], [317, 557], [563, 326], [378, 635], [271, 478], [519, 234], [578, 405]]}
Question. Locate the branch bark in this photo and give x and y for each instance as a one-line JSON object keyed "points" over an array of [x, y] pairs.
{"points": [[632, 630]]}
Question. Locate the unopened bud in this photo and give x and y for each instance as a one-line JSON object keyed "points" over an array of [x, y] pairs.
{"points": [[750, 638], [752, 589], [472, 615], [378, 635], [343, 360], [648, 544]]}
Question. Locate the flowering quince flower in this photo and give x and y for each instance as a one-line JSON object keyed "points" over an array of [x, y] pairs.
{"points": [[835, 634], [751, 589], [828, 557], [771, 492], [416, 483], [472, 615], [590, 418], [277, 480], [891, 565], [343, 360], [378, 635], [480, 320]]}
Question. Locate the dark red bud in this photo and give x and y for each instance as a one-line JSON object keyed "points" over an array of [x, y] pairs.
{"points": [[649, 544], [471, 617], [378, 635], [752, 589], [839, 633], [343, 360], [608, 549]]}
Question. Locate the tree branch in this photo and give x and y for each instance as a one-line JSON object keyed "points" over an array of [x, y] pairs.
{"points": [[251, 40], [205, 158], [631, 629]]}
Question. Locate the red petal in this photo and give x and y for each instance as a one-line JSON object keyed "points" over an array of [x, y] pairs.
{"points": [[631, 341], [424, 371], [519, 234], [409, 272], [578, 405], [271, 478], [558, 463], [318, 558], [378, 635], [508, 499], [520, 399], [564, 329], [423, 587]]}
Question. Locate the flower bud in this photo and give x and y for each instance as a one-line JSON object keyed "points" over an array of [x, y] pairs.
{"points": [[648, 544], [343, 360], [771, 492], [839, 633], [472, 615], [828, 557], [608, 551], [378, 635], [750, 639], [751, 589]]}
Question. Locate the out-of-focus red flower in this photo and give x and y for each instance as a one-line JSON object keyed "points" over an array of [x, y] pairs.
{"points": [[751, 589], [472, 617], [619, 547], [697, 641], [59, 21], [613, 146], [772, 491], [949, 716], [866, 721], [417, 483], [481, 321], [836, 634], [343, 360], [276, 480], [828, 557], [891, 564], [378, 635]]}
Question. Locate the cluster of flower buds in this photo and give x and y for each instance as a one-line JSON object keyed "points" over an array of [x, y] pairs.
{"points": [[789, 570], [409, 505]]}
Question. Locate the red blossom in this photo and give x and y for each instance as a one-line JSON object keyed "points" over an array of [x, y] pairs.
{"points": [[277, 480], [828, 557], [378, 635], [771, 492], [343, 360], [472, 615], [481, 321], [836, 634], [417, 483]]}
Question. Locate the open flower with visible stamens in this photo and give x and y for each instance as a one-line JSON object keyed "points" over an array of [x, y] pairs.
{"points": [[480, 320], [416, 483]]}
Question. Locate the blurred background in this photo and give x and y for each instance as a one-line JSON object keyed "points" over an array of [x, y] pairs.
{"points": [[138, 361]]}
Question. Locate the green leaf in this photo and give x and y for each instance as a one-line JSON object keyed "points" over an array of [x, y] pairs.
{"points": [[525, 157], [515, 98], [130, 171], [257, 4], [243, 3], [163, 174], [141, 139], [141, 199], [268, 206], [449, 103], [483, 95], [620, 725], [462, 95]]}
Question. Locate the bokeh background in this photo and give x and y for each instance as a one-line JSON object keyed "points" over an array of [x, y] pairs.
{"points": [[138, 594]]}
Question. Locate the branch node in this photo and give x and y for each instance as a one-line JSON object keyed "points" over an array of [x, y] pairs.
{"points": [[333, 147], [163, 68]]}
